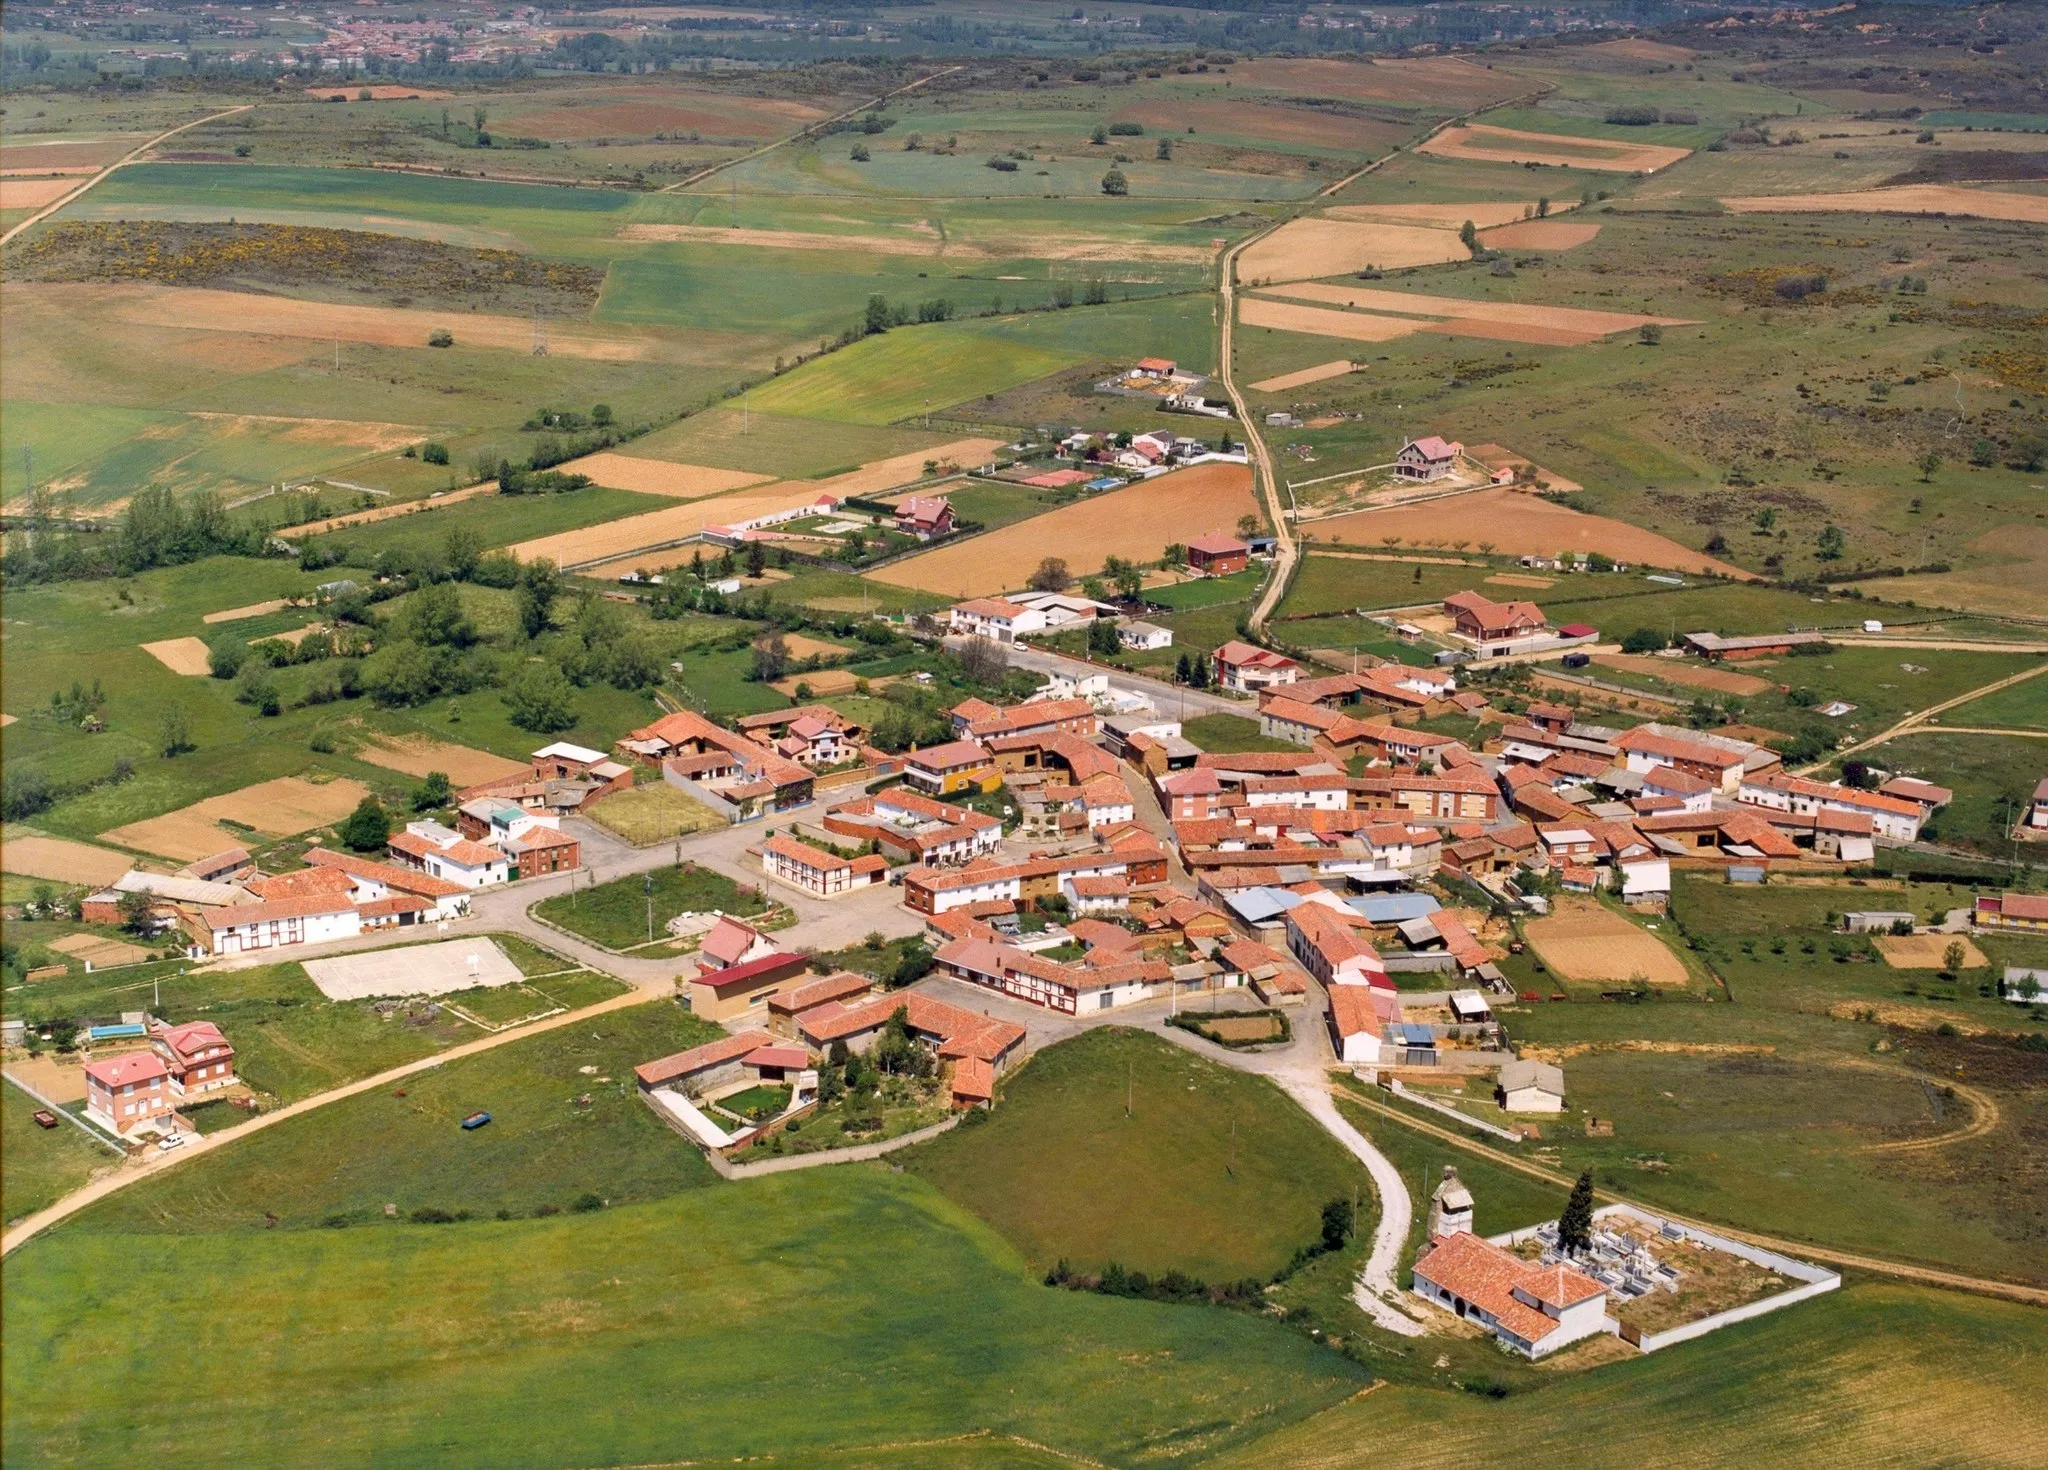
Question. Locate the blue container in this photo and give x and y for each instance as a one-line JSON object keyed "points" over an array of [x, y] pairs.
{"points": [[475, 1121], [108, 1033]]}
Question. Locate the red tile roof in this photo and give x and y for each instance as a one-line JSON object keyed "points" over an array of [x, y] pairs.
{"points": [[133, 1066], [1487, 1276], [698, 1058], [389, 874]]}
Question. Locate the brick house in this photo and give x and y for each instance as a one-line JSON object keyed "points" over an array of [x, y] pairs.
{"points": [[196, 1056], [1218, 555], [129, 1091]]}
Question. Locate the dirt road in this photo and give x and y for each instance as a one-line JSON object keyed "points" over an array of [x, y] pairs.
{"points": [[705, 173], [1917, 722], [51, 208], [1876, 1265], [154, 1163]]}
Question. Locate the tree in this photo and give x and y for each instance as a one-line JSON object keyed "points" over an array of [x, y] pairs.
{"points": [[982, 661], [757, 558], [225, 656], [1575, 1225], [1650, 334], [860, 153], [1247, 527], [1102, 638], [1468, 235], [771, 658], [539, 585], [367, 828], [433, 792], [173, 735], [1952, 957], [463, 547], [1643, 640], [1830, 543], [1164, 152], [1543, 208], [1929, 463], [1181, 672], [135, 912], [877, 318], [1114, 183], [435, 617], [540, 699], [1100, 136], [1339, 1220], [1052, 576]]}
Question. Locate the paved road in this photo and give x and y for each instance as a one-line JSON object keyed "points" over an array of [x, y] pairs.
{"points": [[1173, 701], [49, 209]]}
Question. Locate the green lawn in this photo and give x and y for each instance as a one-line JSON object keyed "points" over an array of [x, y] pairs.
{"points": [[500, 519], [1210, 1171], [542, 1150], [615, 914], [1230, 733], [790, 1315], [42, 1165]]}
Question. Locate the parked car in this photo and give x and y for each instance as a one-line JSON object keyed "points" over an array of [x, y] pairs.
{"points": [[45, 1118], [170, 1141], [475, 1121]]}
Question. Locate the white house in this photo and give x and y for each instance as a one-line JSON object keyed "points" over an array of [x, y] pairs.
{"points": [[311, 919], [1359, 1016], [1645, 880], [1530, 1087], [1891, 817], [996, 618], [442, 853], [1137, 635]]}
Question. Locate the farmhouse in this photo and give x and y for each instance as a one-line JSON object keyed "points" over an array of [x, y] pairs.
{"points": [[1931, 798], [272, 923], [958, 765], [842, 986], [1530, 1087], [924, 516], [1248, 669], [817, 871], [196, 1056], [729, 942], [1218, 555], [733, 768], [441, 852], [372, 882], [977, 719], [705, 1067], [130, 1091], [1479, 619], [1467, 794], [1892, 818], [916, 828], [1426, 459], [1532, 1309], [1328, 940], [2037, 809], [2025, 912], [1359, 1018], [995, 618], [1721, 763], [1143, 636]]}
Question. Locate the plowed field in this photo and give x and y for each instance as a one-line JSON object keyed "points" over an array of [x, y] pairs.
{"points": [[1135, 523], [1483, 144], [1539, 234], [661, 477], [416, 755], [1303, 378], [63, 861], [1906, 199], [1583, 941], [284, 807], [179, 655], [1303, 249]]}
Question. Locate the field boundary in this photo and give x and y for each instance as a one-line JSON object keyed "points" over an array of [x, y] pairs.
{"points": [[51, 208]]}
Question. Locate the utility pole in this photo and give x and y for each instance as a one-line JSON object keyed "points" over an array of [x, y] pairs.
{"points": [[647, 886]]}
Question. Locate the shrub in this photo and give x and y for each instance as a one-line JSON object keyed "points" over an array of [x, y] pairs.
{"points": [[1631, 117], [1644, 640], [440, 337], [433, 453]]}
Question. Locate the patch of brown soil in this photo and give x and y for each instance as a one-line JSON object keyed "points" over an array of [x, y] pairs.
{"points": [[1926, 951], [283, 807], [1136, 523], [662, 477], [418, 755], [1686, 671], [1481, 143], [1582, 941], [1484, 213], [1317, 321], [1906, 199], [1262, 122], [1044, 247], [1519, 524], [253, 610], [1304, 377], [1465, 309], [1303, 249], [33, 193], [386, 512], [181, 656], [1440, 81], [61, 860], [1539, 234]]}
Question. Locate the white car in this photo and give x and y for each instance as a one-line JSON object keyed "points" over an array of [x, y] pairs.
{"points": [[170, 1141]]}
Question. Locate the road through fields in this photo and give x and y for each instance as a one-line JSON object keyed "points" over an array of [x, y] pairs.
{"points": [[122, 162]]}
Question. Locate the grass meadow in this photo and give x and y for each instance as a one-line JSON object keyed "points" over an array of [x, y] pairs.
{"points": [[1993, 777], [727, 1309], [41, 1165], [615, 914], [1209, 1171]]}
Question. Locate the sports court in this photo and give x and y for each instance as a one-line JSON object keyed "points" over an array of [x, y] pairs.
{"points": [[420, 969]]}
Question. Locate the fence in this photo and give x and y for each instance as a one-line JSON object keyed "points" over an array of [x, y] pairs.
{"points": [[1818, 1279], [710, 798]]}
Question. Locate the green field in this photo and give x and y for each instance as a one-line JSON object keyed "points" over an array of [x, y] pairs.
{"points": [[2023, 706], [1209, 1171], [1846, 1379], [42, 1165], [501, 520], [615, 914], [903, 372], [504, 1344], [1993, 777]]}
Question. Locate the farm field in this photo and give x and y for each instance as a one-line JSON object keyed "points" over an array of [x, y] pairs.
{"points": [[1841, 1380], [1583, 940], [1484, 143], [61, 860], [283, 807], [1210, 1172], [795, 1255], [1906, 199], [1135, 523]]}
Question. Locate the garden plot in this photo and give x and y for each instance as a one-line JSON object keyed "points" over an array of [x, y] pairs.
{"points": [[61, 860], [417, 755], [1686, 671], [100, 954], [1927, 951], [1583, 941], [1481, 143], [284, 807], [1904, 199], [420, 969], [180, 655]]}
